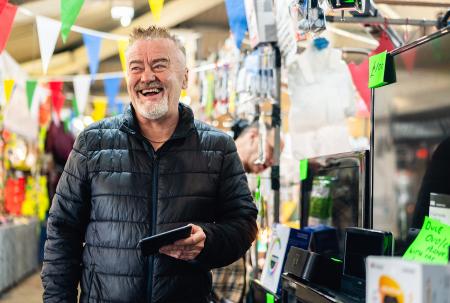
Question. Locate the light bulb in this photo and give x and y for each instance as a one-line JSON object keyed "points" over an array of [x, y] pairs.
{"points": [[125, 21]]}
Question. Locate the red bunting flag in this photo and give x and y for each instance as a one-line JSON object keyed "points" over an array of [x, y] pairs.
{"points": [[360, 72], [385, 44], [58, 97], [409, 58], [2, 5], [360, 76], [6, 20]]}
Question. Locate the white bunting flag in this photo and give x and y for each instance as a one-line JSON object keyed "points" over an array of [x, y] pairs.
{"points": [[81, 85], [48, 32]]}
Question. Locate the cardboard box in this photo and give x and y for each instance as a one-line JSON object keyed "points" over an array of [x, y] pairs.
{"points": [[394, 280], [261, 21]]}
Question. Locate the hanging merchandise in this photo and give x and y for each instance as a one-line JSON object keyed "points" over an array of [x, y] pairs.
{"points": [[285, 30], [261, 21], [361, 6], [237, 20], [308, 15], [14, 195], [317, 118], [17, 118], [6, 19], [36, 202], [69, 13]]}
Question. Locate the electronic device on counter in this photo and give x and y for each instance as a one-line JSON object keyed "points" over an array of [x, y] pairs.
{"points": [[314, 268], [359, 244], [151, 245]]}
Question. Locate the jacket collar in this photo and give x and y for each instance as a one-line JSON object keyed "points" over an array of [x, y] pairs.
{"points": [[184, 127]]}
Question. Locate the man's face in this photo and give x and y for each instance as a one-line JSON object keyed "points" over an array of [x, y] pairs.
{"points": [[156, 72], [251, 165]]}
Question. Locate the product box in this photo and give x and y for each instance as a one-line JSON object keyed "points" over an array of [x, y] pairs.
{"points": [[395, 280], [261, 21], [440, 207], [281, 240]]}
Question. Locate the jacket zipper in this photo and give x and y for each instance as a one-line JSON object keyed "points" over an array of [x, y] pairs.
{"points": [[154, 202]]}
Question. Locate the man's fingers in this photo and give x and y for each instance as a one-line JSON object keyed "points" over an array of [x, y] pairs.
{"points": [[193, 239]]}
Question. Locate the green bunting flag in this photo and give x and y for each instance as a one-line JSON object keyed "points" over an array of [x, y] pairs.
{"points": [[31, 87], [69, 13], [75, 107]]}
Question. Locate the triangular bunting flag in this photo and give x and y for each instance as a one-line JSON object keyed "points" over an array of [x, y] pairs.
{"points": [[6, 19], [156, 7], [112, 87], [385, 44], [2, 5], [123, 45], [48, 31], [31, 87], [58, 97], [75, 111], [237, 19], [93, 51], [8, 85], [409, 59], [69, 13], [99, 109], [81, 86], [360, 76]]}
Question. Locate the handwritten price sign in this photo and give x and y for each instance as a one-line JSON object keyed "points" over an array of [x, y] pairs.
{"points": [[431, 245], [381, 70]]}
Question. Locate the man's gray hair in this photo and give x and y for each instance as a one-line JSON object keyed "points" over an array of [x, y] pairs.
{"points": [[154, 32]]}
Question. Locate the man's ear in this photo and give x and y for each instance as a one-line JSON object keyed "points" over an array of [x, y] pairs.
{"points": [[185, 79]]}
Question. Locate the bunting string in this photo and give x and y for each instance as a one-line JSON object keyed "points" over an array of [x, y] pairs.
{"points": [[79, 29]]}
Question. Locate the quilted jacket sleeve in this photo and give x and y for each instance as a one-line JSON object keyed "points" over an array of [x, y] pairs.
{"points": [[230, 236], [65, 229]]}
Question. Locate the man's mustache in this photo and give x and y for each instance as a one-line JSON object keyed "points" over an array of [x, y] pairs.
{"points": [[147, 85]]}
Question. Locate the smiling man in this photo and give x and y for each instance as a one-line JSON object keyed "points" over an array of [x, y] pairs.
{"points": [[150, 170]]}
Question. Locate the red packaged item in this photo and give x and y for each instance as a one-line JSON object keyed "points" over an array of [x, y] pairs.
{"points": [[14, 195]]}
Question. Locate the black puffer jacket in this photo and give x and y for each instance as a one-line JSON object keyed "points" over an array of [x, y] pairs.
{"points": [[106, 198]]}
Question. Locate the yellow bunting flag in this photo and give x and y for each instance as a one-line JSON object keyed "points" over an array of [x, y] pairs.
{"points": [[8, 86], [156, 7], [99, 112], [123, 45]]}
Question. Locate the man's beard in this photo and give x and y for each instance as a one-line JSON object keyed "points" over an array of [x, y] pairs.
{"points": [[153, 111]]}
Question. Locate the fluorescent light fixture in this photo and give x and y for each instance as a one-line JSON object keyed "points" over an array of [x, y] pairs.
{"points": [[122, 10]]}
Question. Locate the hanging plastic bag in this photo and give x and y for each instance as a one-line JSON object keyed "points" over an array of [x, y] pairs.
{"points": [[309, 16]]}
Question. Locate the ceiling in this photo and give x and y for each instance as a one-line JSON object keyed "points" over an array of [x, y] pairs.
{"points": [[207, 19]]}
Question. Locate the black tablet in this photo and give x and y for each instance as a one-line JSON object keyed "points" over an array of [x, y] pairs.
{"points": [[151, 245]]}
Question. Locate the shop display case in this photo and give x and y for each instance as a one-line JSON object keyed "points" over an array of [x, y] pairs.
{"points": [[342, 182], [411, 138]]}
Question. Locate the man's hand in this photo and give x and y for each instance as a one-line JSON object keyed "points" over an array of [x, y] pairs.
{"points": [[189, 248]]}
